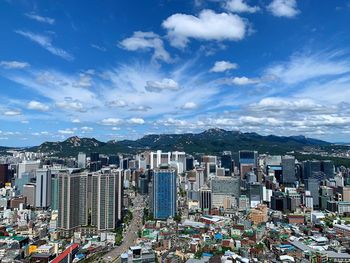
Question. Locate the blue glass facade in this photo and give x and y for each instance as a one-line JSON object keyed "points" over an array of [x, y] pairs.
{"points": [[164, 194]]}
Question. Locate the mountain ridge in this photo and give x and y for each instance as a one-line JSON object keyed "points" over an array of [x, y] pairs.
{"points": [[209, 142]]}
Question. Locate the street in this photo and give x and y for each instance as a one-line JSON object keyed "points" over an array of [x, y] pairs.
{"points": [[131, 233]]}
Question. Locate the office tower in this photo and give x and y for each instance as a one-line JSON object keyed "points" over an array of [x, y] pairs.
{"points": [[68, 203], [278, 201], [25, 179], [205, 199], [82, 160], [104, 161], [313, 186], [288, 170], [29, 192], [344, 191], [27, 167], [327, 167], [222, 187], [143, 185], [255, 193], [164, 192], [95, 166], [54, 192], [293, 201], [158, 158], [43, 188], [125, 163], [311, 169], [227, 162], [248, 157], [4, 174], [103, 211], [113, 160], [94, 157], [179, 157], [189, 163]]}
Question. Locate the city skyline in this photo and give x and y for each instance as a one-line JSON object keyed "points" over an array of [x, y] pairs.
{"points": [[123, 70]]}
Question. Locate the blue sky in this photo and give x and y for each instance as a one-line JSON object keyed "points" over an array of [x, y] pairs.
{"points": [[123, 69]]}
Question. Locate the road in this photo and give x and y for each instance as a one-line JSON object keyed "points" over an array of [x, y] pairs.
{"points": [[131, 233]]}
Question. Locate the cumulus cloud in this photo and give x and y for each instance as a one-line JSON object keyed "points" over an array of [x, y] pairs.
{"points": [[138, 121], [66, 131], [141, 108], [41, 19], [165, 84], [240, 6], [207, 26], [12, 113], [111, 121], [241, 81], [189, 106], [147, 41], [117, 103], [221, 66], [283, 8], [36, 105], [84, 81], [87, 129], [46, 43], [14, 64], [70, 104]]}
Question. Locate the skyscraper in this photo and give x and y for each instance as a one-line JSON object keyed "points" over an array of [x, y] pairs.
{"points": [[43, 188], [4, 174], [226, 162], [105, 211], [54, 193], [164, 193], [68, 203], [313, 185], [82, 160], [288, 170]]}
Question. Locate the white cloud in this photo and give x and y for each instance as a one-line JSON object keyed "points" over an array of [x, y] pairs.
{"points": [[115, 129], [221, 66], [70, 104], [12, 113], [283, 8], [76, 121], [87, 129], [117, 103], [207, 26], [302, 67], [66, 131], [98, 47], [111, 121], [136, 121], [165, 84], [241, 81], [240, 6], [141, 108], [189, 106], [14, 64], [295, 104], [46, 42], [41, 19], [146, 41], [85, 81], [36, 105]]}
